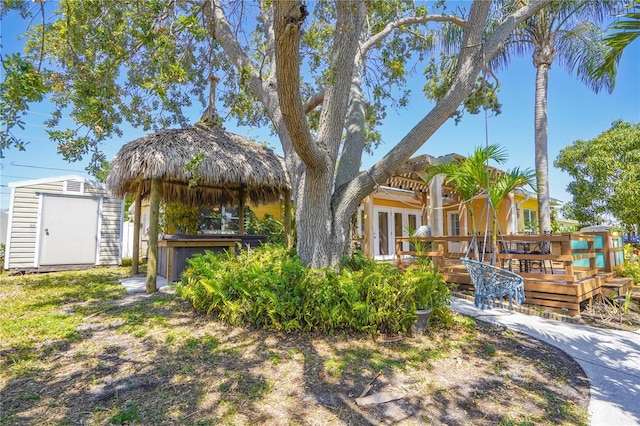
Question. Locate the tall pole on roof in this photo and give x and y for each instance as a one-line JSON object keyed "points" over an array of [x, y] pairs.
{"points": [[210, 116]]}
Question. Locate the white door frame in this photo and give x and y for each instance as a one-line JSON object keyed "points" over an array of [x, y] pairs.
{"points": [[453, 246], [376, 233], [391, 212]]}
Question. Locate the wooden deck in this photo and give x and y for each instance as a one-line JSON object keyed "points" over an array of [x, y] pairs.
{"points": [[570, 276]]}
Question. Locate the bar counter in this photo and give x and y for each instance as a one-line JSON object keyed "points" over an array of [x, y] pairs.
{"points": [[174, 250]]}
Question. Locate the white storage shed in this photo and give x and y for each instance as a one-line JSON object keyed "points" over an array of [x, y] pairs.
{"points": [[62, 222]]}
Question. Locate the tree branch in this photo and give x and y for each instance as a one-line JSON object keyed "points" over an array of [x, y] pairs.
{"points": [[287, 20], [314, 101], [232, 48], [350, 18], [472, 59], [377, 38]]}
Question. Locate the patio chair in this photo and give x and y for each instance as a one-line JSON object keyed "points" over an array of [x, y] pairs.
{"points": [[493, 286], [544, 248]]}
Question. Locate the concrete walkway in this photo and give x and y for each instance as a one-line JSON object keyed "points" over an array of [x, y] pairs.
{"points": [[610, 358], [138, 284]]}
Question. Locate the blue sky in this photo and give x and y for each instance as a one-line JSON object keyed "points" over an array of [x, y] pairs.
{"points": [[574, 113]]}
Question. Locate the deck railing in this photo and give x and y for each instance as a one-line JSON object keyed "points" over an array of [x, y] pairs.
{"points": [[575, 254], [574, 266]]}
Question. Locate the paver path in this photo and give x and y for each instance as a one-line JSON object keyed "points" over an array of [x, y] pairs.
{"points": [[610, 358]]}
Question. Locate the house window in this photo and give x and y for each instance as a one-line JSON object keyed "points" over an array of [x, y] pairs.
{"points": [[454, 223], [530, 220]]}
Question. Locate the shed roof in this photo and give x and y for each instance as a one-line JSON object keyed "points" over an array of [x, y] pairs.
{"points": [[51, 179]]}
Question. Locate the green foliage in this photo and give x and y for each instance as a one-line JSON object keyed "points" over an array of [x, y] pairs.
{"points": [[605, 172], [268, 287], [22, 85], [177, 218], [630, 269], [431, 290], [105, 63], [628, 29], [472, 176], [440, 75], [268, 226], [129, 414], [631, 266], [193, 166]]}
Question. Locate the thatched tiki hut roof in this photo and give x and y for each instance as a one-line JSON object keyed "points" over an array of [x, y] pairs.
{"points": [[226, 169], [229, 163]]}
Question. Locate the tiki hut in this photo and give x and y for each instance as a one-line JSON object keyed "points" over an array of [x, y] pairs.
{"points": [[197, 165]]}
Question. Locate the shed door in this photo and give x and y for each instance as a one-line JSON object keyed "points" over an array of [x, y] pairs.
{"points": [[69, 230]]}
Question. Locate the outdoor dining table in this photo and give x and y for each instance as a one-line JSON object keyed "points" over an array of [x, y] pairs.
{"points": [[521, 247]]}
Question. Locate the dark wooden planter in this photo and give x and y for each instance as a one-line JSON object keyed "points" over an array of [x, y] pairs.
{"points": [[174, 250]]}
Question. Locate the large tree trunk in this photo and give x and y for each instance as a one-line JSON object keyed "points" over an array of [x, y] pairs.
{"points": [[318, 243], [324, 206], [542, 157]]}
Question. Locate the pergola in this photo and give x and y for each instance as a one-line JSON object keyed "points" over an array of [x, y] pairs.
{"points": [[198, 165]]}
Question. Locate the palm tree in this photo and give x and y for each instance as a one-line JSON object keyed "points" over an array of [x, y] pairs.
{"points": [[500, 186], [467, 176], [471, 176], [567, 30], [629, 30]]}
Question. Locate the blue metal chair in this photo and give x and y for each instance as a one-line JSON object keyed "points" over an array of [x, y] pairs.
{"points": [[493, 285]]}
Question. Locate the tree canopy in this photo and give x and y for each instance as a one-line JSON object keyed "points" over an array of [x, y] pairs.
{"points": [[606, 173], [321, 78]]}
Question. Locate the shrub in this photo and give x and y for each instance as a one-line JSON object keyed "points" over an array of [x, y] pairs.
{"points": [[431, 290], [268, 287], [268, 226], [631, 266]]}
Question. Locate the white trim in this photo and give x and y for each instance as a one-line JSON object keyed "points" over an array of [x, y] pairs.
{"points": [[55, 179], [376, 231], [451, 245], [36, 254], [7, 247], [121, 220], [99, 231], [69, 194], [392, 211]]}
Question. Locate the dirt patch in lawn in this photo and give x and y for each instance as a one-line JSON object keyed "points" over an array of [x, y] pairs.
{"points": [[152, 360]]}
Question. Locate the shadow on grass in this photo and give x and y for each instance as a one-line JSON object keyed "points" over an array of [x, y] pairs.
{"points": [[152, 360]]}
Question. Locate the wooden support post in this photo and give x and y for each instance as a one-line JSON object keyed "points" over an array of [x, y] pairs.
{"points": [[241, 203], [137, 211], [592, 252], [565, 250], [607, 251], [368, 248], [154, 216], [287, 218]]}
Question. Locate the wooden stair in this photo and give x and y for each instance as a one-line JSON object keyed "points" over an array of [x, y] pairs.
{"points": [[617, 286], [555, 296]]}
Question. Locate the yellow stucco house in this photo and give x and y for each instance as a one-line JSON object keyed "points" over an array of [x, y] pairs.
{"points": [[406, 202]]}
